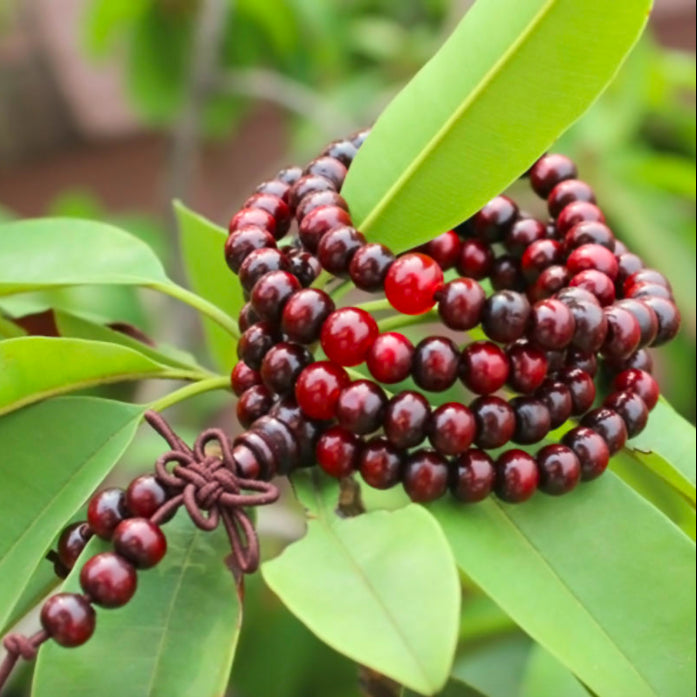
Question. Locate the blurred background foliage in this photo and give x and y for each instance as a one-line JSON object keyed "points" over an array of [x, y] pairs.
{"points": [[111, 108]]}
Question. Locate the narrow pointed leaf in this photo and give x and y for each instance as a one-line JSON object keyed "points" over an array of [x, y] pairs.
{"points": [[202, 248], [380, 588], [494, 97], [177, 636], [544, 674], [566, 571], [55, 455], [37, 367]]}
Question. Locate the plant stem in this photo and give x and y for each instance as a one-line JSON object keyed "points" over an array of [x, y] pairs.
{"points": [[202, 305], [399, 321], [375, 305], [216, 383]]}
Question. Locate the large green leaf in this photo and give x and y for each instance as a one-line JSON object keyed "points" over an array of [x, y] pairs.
{"points": [[545, 675], [496, 95], [600, 579], [54, 455], [202, 248], [381, 588], [55, 252], [176, 637], [37, 367]]}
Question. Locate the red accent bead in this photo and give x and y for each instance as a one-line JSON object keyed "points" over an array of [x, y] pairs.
{"points": [[623, 333], [380, 464], [444, 249], [108, 579], [640, 382], [578, 212], [630, 406], [567, 192], [552, 325], [336, 249], [589, 232], [516, 476], [474, 476], [361, 407], [593, 256], [412, 282], [304, 315], [282, 365], [425, 476], [347, 336], [590, 449], [532, 420], [71, 543], [435, 364], [610, 425], [495, 422], [389, 358], [407, 419], [253, 217], [549, 170], [559, 469], [369, 266], [528, 367], [274, 205], [141, 542], [145, 495], [105, 511], [523, 233], [253, 404], [495, 219], [538, 256], [476, 259], [505, 316], [597, 283], [318, 388], [484, 367], [243, 242], [68, 619], [460, 303], [318, 222], [452, 428], [271, 292], [337, 452], [243, 377]]}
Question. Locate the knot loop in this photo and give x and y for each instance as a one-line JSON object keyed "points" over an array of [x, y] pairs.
{"points": [[21, 645], [205, 479]]}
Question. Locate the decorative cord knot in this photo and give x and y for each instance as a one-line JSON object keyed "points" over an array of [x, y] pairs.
{"points": [[21, 645], [205, 479]]}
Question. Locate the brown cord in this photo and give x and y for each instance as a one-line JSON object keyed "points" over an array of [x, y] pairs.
{"points": [[19, 646], [209, 487]]}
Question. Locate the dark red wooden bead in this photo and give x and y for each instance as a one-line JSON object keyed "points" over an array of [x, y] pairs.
{"points": [[597, 283], [361, 407], [412, 283], [271, 292], [516, 476], [71, 543], [549, 170], [567, 192], [318, 388], [318, 223], [444, 249], [369, 266], [360, 137], [68, 619], [593, 256], [247, 317], [556, 396], [274, 205], [647, 276], [320, 199], [641, 291], [243, 242], [253, 404], [623, 333], [627, 264], [495, 219], [532, 420], [305, 430], [425, 476], [590, 449], [641, 383], [336, 249], [105, 511], [610, 425], [589, 232], [484, 367], [305, 267], [243, 377], [255, 343], [435, 364], [641, 360], [145, 495], [505, 274], [407, 419], [476, 259], [578, 212], [380, 463], [304, 315], [452, 428], [645, 316], [141, 542], [330, 168], [108, 579], [559, 469], [574, 294], [538, 256], [590, 326], [282, 365], [389, 358], [473, 476], [550, 281], [289, 175], [523, 233], [347, 335], [552, 326], [460, 303], [581, 386], [259, 263], [337, 452], [342, 150], [309, 184], [528, 367], [253, 217], [495, 422], [276, 187], [631, 407], [587, 362], [505, 316], [668, 317]]}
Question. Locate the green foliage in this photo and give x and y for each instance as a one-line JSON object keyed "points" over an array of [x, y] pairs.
{"points": [[60, 450], [180, 630], [350, 580]]}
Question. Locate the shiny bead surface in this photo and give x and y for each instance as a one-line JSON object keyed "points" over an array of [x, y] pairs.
{"points": [[108, 579], [484, 367], [380, 463], [412, 283], [495, 422], [105, 511], [559, 469], [361, 407], [318, 388], [407, 419], [435, 364], [390, 357], [141, 542], [451, 429], [68, 619], [516, 476], [337, 452], [425, 476], [347, 336], [473, 476]]}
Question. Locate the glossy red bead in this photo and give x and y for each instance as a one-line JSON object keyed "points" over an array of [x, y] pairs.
{"points": [[590, 449], [550, 281], [668, 317], [260, 262], [516, 476], [255, 343], [532, 420], [304, 315], [495, 422], [552, 326], [347, 336], [473, 476], [68, 619], [495, 219], [105, 511], [538, 256], [444, 249], [645, 316], [425, 476], [276, 187], [451, 428], [304, 266], [309, 184], [361, 407], [549, 170], [318, 388], [145, 495], [435, 364], [330, 168], [253, 404], [289, 175], [505, 316], [243, 377], [559, 469], [337, 452], [243, 242], [581, 386], [380, 463], [319, 199], [567, 192], [476, 259], [523, 233], [589, 232], [578, 212], [506, 274], [484, 367], [646, 276], [274, 205], [141, 542], [71, 543], [590, 326], [597, 283], [389, 358], [623, 333], [108, 579], [527, 367], [318, 222], [593, 256], [610, 425], [460, 303], [271, 292], [336, 249], [412, 283], [407, 419], [631, 407], [253, 217], [556, 396], [282, 365], [641, 383], [342, 150], [369, 266]]}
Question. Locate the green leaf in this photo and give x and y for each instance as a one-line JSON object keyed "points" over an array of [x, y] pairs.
{"points": [[494, 97], [576, 563], [176, 637], [60, 451], [380, 588], [202, 248], [10, 330], [55, 252], [545, 675], [37, 367]]}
